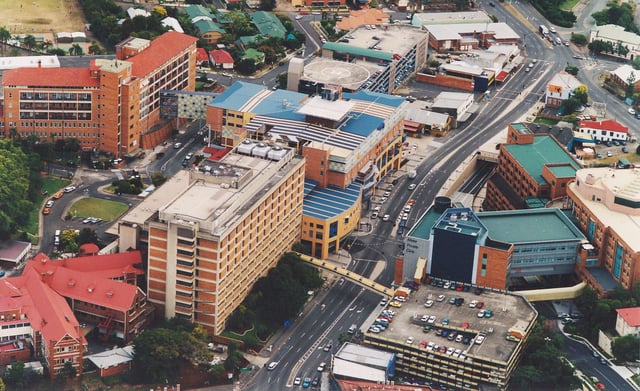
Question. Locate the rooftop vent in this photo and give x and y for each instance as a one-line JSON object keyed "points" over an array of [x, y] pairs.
{"points": [[90, 288], [72, 283], [109, 293]]}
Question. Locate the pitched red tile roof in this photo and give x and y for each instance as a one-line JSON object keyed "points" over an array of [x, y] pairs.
{"points": [[221, 56], [201, 54], [607, 124], [49, 77], [47, 311], [630, 315], [160, 50], [89, 249], [99, 291]]}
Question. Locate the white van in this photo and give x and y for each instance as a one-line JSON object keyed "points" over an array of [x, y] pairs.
{"points": [[56, 237]]}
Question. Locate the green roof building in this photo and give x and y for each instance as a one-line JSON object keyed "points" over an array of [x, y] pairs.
{"points": [[256, 55], [532, 170], [268, 24]]}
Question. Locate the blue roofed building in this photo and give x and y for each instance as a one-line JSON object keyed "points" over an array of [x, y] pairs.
{"points": [[350, 142]]}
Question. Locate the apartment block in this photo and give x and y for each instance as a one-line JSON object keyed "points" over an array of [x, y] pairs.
{"points": [[111, 105], [606, 204], [532, 169], [212, 232], [349, 140]]}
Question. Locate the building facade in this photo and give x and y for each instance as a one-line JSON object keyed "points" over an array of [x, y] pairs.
{"points": [[211, 233], [532, 169], [605, 130], [606, 205], [112, 105], [560, 88]]}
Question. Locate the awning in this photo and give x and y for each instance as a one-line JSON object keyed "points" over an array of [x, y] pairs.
{"points": [[502, 76]]}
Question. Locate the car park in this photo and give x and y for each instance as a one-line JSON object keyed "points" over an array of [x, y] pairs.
{"points": [[374, 215], [446, 285], [451, 336], [374, 329], [452, 300], [473, 303], [459, 337], [386, 194], [445, 321], [480, 338], [480, 305], [625, 150], [450, 351], [459, 301], [383, 200], [609, 154], [432, 319]]}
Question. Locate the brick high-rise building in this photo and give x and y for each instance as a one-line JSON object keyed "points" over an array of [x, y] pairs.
{"points": [[112, 105]]}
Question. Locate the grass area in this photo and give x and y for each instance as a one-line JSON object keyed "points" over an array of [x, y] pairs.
{"points": [[568, 4], [631, 156], [250, 338], [95, 207], [546, 121], [41, 16]]}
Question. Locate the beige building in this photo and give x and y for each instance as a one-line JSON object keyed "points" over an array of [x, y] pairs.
{"points": [[212, 232]]}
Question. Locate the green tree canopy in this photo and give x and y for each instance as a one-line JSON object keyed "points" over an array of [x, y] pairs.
{"points": [[625, 348], [14, 188]]}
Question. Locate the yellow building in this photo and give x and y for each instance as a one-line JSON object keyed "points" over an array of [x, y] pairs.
{"points": [[212, 232]]}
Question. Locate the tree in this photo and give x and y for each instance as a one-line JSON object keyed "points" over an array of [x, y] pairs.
{"points": [[247, 66], [571, 104], [68, 371], [76, 50], [578, 39], [3, 387], [5, 36], [15, 203], [625, 348], [572, 70], [94, 48], [29, 42], [631, 82], [581, 94], [87, 235], [15, 374]]}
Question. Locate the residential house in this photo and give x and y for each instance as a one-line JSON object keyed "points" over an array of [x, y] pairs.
{"points": [[221, 58], [268, 24], [560, 88], [625, 76], [255, 55]]}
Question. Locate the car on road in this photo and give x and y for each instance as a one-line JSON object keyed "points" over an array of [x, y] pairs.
{"points": [[49, 204], [298, 17], [189, 156], [58, 195], [327, 347], [177, 145], [272, 365], [412, 186], [297, 381], [322, 366], [46, 211], [315, 382], [552, 29], [69, 189], [599, 155], [631, 111], [386, 218]]}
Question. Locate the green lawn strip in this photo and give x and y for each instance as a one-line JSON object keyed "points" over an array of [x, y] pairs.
{"points": [[95, 207], [568, 4]]}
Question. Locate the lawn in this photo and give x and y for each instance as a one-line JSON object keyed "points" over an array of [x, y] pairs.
{"points": [[568, 4], [95, 207], [41, 16]]}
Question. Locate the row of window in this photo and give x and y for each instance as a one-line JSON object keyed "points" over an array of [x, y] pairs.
{"points": [[27, 95]]}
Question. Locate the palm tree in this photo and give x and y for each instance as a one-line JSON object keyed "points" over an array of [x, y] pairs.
{"points": [[44, 46], [29, 42], [76, 50], [5, 36]]}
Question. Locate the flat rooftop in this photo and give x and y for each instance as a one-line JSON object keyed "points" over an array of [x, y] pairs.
{"points": [[455, 31], [350, 75], [530, 226], [544, 150], [421, 19], [333, 110], [391, 39], [509, 311]]}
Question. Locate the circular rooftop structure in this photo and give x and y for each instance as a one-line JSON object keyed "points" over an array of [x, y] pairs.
{"points": [[346, 74]]}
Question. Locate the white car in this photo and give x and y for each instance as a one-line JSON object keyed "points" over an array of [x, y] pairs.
{"points": [[424, 318], [447, 285], [383, 200], [432, 319], [386, 194], [441, 298], [473, 303], [429, 303], [412, 186], [297, 381], [407, 209], [552, 29], [386, 218], [177, 145], [322, 366], [481, 314], [631, 111], [376, 209], [69, 189], [298, 17], [480, 339], [409, 340], [272, 365], [49, 204]]}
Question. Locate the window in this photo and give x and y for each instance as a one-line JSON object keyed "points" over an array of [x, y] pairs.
{"points": [[483, 271]]}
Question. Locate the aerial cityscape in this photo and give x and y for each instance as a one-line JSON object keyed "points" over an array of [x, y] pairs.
{"points": [[325, 195]]}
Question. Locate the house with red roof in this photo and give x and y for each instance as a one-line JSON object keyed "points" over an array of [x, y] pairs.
{"points": [[202, 58], [605, 130], [102, 290], [221, 58], [628, 321], [112, 105], [32, 312]]}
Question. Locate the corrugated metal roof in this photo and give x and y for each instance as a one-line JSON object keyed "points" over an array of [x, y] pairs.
{"points": [[329, 202]]}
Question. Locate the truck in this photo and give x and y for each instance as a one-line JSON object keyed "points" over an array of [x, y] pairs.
{"points": [[412, 174], [543, 29]]}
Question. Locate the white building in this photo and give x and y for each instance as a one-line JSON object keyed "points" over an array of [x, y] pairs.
{"points": [[560, 88], [606, 130], [628, 321], [614, 34]]}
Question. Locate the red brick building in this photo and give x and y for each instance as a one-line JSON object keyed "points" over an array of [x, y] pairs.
{"points": [[112, 105]]}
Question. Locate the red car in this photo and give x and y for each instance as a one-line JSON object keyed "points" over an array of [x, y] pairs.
{"points": [[480, 304], [460, 287]]}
